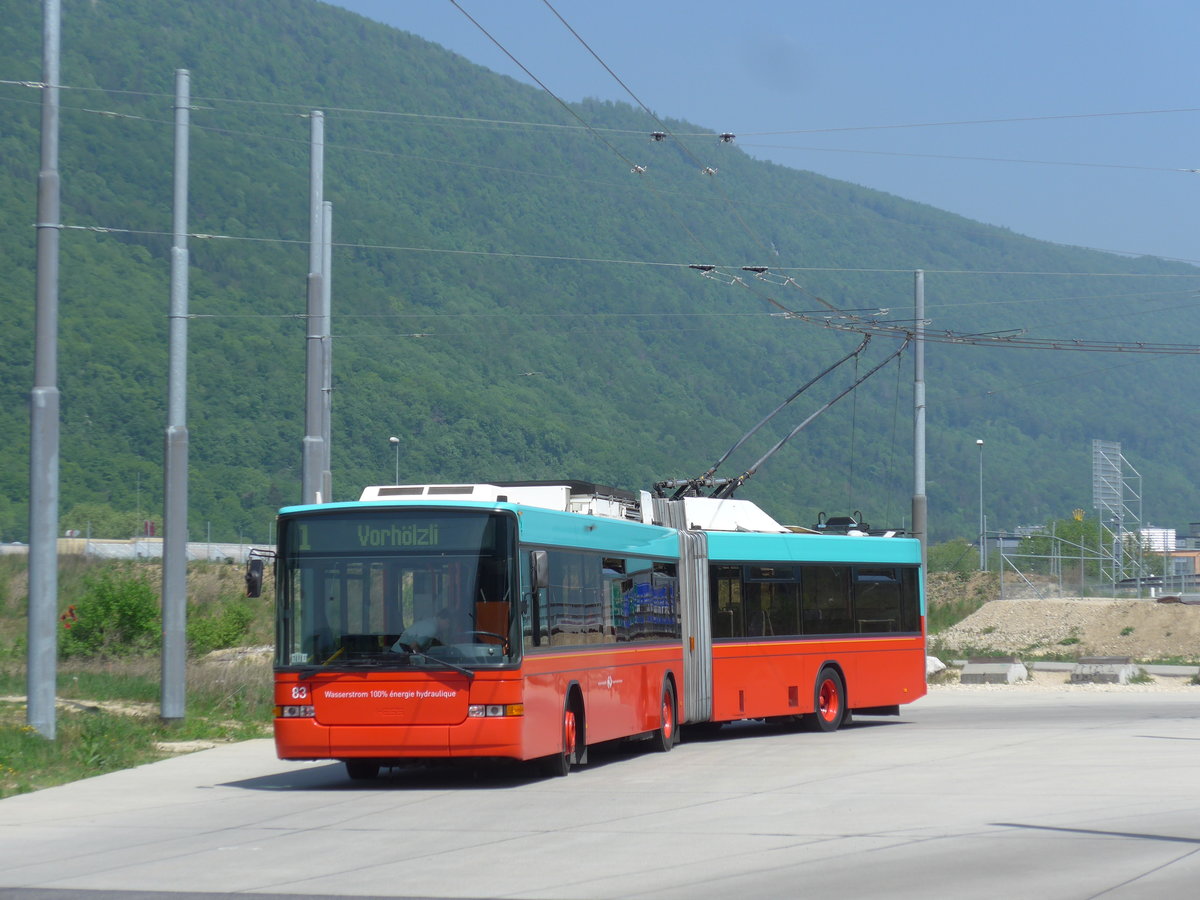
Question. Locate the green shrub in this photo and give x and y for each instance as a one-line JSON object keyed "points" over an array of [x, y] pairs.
{"points": [[117, 615], [226, 627]]}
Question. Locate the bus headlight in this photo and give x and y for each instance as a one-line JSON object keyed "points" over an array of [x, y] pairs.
{"points": [[495, 710]]}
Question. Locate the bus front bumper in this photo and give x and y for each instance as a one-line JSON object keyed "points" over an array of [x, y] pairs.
{"points": [[483, 737]]}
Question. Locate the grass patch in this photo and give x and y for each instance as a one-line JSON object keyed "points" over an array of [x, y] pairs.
{"points": [[108, 719], [952, 596], [1043, 656], [934, 647], [89, 742], [1175, 661], [109, 677], [940, 616]]}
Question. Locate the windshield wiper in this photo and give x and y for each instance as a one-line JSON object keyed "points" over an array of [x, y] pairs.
{"points": [[449, 665], [379, 662], [359, 663]]}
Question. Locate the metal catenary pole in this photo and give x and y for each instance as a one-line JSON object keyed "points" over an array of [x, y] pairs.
{"points": [[919, 501], [175, 468], [327, 350], [313, 451], [44, 406]]}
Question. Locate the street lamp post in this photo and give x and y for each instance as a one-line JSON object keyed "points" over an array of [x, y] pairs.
{"points": [[395, 442], [982, 521]]}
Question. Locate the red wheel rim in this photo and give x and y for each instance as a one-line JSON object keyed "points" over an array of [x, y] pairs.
{"points": [[828, 701], [569, 732], [668, 717]]}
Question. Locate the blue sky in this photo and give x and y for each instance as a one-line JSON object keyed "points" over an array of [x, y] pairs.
{"points": [[754, 67]]}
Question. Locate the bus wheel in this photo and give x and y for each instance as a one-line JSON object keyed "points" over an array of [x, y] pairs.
{"points": [[559, 764], [361, 769], [667, 734], [829, 701]]}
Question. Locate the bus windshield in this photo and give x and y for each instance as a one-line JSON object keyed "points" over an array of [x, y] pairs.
{"points": [[396, 588]]}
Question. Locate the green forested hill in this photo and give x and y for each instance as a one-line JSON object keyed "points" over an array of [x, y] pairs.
{"points": [[513, 302]]}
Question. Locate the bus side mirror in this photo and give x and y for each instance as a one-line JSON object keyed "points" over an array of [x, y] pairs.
{"points": [[539, 570], [254, 577]]}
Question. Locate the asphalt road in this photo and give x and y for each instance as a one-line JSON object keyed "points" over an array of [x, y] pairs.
{"points": [[1059, 793]]}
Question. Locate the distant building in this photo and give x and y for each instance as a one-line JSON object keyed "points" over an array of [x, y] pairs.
{"points": [[1191, 541], [143, 548], [1158, 540]]}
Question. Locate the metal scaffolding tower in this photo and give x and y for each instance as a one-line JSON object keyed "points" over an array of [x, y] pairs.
{"points": [[1117, 499]]}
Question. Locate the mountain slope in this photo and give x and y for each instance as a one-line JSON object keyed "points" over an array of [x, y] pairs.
{"points": [[513, 302]]}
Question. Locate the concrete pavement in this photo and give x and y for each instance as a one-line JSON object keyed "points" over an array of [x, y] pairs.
{"points": [[1058, 793]]}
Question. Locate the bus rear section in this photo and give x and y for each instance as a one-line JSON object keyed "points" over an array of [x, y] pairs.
{"points": [[816, 627]]}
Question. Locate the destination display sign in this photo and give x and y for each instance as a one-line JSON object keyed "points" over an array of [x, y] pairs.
{"points": [[407, 531]]}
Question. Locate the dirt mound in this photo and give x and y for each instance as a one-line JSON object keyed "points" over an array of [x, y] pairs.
{"points": [[1141, 629], [950, 588]]}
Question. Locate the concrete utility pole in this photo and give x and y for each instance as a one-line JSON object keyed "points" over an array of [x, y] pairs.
{"points": [[327, 351], [982, 517], [44, 405], [313, 455], [175, 458], [920, 526]]}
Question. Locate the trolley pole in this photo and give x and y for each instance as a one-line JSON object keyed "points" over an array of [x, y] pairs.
{"points": [[44, 406]]}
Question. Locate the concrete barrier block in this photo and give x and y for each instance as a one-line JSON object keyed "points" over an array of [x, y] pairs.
{"points": [[994, 670], [1104, 670]]}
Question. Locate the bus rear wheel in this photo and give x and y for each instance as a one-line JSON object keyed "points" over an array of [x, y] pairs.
{"points": [[829, 701], [667, 734]]}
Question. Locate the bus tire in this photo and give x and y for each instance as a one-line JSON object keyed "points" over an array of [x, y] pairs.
{"points": [[667, 734], [829, 701], [558, 765], [361, 769]]}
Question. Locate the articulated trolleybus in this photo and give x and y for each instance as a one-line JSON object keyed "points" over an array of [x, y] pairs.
{"points": [[531, 620]]}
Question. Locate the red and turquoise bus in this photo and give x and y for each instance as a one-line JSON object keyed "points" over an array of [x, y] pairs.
{"points": [[531, 620]]}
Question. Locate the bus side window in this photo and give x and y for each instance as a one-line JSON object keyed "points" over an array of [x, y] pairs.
{"points": [[532, 608], [725, 591], [612, 573], [825, 600], [910, 599], [665, 600], [772, 607], [876, 599]]}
